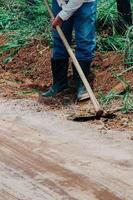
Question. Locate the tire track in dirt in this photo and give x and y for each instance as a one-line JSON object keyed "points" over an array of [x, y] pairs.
{"points": [[4, 195], [19, 157]]}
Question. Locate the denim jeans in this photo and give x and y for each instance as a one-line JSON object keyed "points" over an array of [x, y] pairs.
{"points": [[83, 24]]}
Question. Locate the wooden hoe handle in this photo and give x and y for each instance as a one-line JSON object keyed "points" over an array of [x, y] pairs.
{"points": [[97, 107]]}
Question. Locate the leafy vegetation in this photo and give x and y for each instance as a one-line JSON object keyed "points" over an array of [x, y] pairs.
{"points": [[24, 20], [125, 97], [110, 36], [108, 26], [128, 49]]}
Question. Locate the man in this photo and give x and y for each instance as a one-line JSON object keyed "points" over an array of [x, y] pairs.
{"points": [[124, 9], [80, 16]]}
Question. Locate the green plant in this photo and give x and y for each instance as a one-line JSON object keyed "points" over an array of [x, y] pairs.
{"points": [[128, 49], [24, 20], [127, 102], [109, 37], [106, 15], [106, 99], [111, 43], [22, 23], [125, 97]]}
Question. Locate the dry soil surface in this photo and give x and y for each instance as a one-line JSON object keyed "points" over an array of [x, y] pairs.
{"points": [[43, 156]]}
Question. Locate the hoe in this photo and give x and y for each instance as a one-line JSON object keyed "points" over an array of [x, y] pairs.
{"points": [[97, 107]]}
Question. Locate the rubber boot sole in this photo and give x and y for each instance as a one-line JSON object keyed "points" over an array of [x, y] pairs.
{"points": [[83, 97]]}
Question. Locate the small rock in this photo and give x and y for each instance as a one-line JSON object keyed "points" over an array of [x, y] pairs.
{"points": [[67, 100], [38, 110], [131, 138], [119, 88], [124, 121]]}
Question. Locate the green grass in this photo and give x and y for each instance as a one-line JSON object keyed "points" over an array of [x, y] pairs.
{"points": [[125, 97], [128, 49], [108, 36], [23, 23], [106, 14]]}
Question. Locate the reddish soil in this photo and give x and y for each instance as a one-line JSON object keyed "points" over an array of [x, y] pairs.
{"points": [[30, 72], [29, 68], [107, 65]]}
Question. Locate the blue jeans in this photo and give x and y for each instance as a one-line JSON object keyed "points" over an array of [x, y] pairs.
{"points": [[83, 23]]}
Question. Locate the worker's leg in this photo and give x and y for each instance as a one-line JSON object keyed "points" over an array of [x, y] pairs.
{"points": [[124, 8], [59, 51], [59, 60], [84, 24]]}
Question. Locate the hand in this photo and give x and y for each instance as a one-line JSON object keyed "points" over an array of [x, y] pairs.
{"points": [[57, 21]]}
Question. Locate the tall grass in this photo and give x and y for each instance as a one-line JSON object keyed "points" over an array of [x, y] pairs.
{"points": [[128, 50], [110, 38], [22, 22], [109, 27], [109, 35]]}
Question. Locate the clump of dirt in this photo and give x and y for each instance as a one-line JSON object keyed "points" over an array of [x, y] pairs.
{"points": [[30, 69], [106, 66], [2, 40], [30, 72]]}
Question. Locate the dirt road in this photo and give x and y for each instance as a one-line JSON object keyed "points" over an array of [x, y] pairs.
{"points": [[45, 157]]}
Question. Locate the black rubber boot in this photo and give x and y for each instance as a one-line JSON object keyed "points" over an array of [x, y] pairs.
{"points": [[82, 93], [125, 18], [124, 8], [60, 82]]}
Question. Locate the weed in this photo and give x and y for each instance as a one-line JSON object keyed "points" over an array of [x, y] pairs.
{"points": [[106, 15], [109, 36], [106, 99], [128, 49], [125, 97], [23, 23], [24, 20]]}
